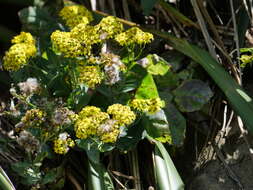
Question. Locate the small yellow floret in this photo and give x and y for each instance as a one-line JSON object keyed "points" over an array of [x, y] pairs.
{"points": [[65, 44], [122, 114], [33, 118], [23, 37], [109, 27], [90, 75], [89, 119], [86, 34], [18, 55], [147, 105], [75, 14], [109, 131], [63, 143], [132, 36]]}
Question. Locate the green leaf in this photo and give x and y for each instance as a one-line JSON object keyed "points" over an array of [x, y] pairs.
{"points": [[170, 177], [176, 14], [177, 124], [49, 177], [37, 20], [5, 182], [192, 95], [79, 98], [91, 148], [133, 78], [98, 177], [30, 173], [147, 6], [147, 88], [157, 65], [157, 126], [134, 135]]}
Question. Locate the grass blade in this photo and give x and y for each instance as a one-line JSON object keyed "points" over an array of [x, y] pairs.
{"points": [[238, 99], [5, 182], [161, 172], [169, 179]]}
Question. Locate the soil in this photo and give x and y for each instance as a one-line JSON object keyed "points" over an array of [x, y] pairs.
{"points": [[233, 174]]}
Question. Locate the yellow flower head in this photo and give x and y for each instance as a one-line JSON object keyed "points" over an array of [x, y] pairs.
{"points": [[63, 143], [122, 114], [147, 105], [94, 113], [17, 56], [89, 119], [132, 36], [109, 27], [75, 14], [23, 37], [86, 34], [109, 131], [33, 118], [63, 42], [90, 75]]}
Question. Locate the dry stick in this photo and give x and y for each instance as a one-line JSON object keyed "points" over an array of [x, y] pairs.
{"points": [[126, 10], [136, 171], [211, 24], [220, 44], [247, 8], [129, 23], [123, 175], [74, 181], [111, 173], [244, 131], [236, 39], [168, 19], [215, 12], [204, 29]]}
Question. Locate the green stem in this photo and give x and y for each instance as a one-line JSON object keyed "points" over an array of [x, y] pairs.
{"points": [[5, 183], [95, 176], [175, 181]]}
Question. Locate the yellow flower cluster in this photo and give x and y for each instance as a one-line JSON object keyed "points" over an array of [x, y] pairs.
{"points": [[63, 143], [77, 42], [147, 105], [122, 114], [86, 34], [132, 36], [33, 118], [90, 75], [19, 53], [23, 37], [75, 14], [109, 131], [109, 27], [92, 121], [63, 42], [88, 121]]}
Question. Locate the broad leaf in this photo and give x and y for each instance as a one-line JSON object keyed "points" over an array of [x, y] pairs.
{"points": [[157, 126], [157, 65], [192, 95], [177, 124], [91, 148], [147, 88]]}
